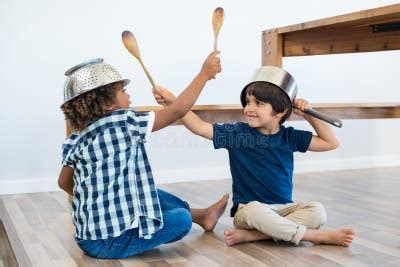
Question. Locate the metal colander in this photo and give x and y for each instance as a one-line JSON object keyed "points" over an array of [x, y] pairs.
{"points": [[89, 75]]}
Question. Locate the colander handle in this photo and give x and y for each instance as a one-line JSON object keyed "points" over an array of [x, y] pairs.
{"points": [[335, 122]]}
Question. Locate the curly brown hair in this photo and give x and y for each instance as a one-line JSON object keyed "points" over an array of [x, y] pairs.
{"points": [[90, 106]]}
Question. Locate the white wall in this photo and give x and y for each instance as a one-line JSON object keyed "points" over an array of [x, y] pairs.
{"points": [[41, 39]]}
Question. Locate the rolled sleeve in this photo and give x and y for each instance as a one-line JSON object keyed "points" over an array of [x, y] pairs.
{"points": [[68, 148], [150, 123], [141, 123]]}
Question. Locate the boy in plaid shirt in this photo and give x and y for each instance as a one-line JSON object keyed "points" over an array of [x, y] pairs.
{"points": [[117, 210]]}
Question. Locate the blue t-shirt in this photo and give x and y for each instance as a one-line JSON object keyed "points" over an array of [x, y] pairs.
{"points": [[261, 165]]}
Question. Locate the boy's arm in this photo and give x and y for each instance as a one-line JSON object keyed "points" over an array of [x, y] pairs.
{"points": [[191, 121], [65, 180], [325, 139], [186, 99], [197, 126]]}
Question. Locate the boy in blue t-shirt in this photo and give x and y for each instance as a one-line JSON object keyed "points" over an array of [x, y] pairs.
{"points": [[261, 163]]}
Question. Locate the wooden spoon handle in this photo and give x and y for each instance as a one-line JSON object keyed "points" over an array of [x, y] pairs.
{"points": [[215, 42], [147, 73]]}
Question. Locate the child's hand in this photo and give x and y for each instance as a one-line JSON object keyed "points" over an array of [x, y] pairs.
{"points": [[300, 105], [211, 66], [163, 96]]}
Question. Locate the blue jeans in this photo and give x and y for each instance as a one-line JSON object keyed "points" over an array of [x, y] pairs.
{"points": [[177, 224]]}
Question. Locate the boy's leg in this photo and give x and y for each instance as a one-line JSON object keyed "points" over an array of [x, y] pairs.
{"points": [[177, 224], [262, 217], [207, 218], [342, 237], [236, 235], [313, 216], [169, 201]]}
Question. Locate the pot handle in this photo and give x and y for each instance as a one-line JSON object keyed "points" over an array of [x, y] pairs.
{"points": [[335, 122]]}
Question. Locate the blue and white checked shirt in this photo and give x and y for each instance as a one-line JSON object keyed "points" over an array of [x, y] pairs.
{"points": [[114, 188]]}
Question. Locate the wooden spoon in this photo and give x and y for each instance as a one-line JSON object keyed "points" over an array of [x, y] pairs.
{"points": [[130, 43], [217, 20]]}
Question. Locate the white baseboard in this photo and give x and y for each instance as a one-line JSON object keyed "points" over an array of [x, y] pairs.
{"points": [[194, 174], [19, 186], [212, 173], [346, 163]]}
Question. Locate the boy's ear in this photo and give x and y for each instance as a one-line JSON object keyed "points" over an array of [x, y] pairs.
{"points": [[111, 107], [280, 115]]}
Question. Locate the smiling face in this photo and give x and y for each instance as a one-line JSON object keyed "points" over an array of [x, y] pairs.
{"points": [[263, 104], [261, 116]]}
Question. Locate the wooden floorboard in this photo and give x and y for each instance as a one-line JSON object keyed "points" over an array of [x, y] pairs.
{"points": [[40, 230], [7, 257]]}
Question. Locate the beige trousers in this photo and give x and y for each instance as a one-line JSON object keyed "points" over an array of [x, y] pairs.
{"points": [[286, 222]]}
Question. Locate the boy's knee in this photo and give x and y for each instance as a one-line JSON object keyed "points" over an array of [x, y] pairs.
{"points": [[177, 223], [252, 209], [182, 220], [186, 221], [250, 213], [318, 217]]}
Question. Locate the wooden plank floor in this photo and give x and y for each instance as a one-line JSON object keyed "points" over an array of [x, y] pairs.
{"points": [[41, 232]]}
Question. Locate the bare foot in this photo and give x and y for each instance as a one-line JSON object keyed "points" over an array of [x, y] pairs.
{"points": [[208, 218], [340, 237], [234, 236]]}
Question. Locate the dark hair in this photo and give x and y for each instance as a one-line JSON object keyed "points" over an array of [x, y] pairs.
{"points": [[88, 107], [268, 93]]}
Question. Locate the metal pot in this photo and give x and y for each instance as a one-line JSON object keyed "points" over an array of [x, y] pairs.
{"points": [[89, 75], [286, 82]]}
